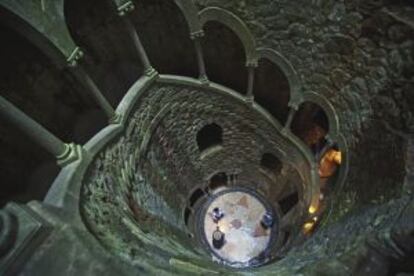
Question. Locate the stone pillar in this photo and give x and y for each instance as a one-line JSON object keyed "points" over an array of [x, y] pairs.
{"points": [[64, 153], [409, 166], [123, 11], [84, 78], [196, 37], [292, 112], [251, 68], [148, 69]]}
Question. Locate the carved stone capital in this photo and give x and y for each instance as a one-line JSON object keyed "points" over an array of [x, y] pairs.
{"points": [[249, 99], [197, 35], [71, 154], [126, 8], [150, 72], [116, 119], [295, 103], [204, 80], [74, 57], [285, 131], [253, 63]]}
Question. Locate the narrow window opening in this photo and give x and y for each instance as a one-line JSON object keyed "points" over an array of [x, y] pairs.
{"points": [[286, 238], [195, 196], [187, 214], [311, 125], [217, 181], [209, 136], [271, 163], [289, 202]]}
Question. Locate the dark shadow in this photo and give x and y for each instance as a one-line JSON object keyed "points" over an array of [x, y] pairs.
{"points": [[311, 125], [271, 90], [271, 163], [187, 213], [209, 136], [30, 81], [110, 56], [288, 202], [166, 37], [217, 181], [225, 57], [195, 196]]}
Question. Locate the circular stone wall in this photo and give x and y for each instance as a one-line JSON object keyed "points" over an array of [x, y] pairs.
{"points": [[137, 188]]}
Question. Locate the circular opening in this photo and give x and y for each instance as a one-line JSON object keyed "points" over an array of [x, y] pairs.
{"points": [[238, 227], [209, 136]]}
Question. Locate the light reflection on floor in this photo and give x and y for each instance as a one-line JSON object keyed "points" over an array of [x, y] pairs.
{"points": [[245, 238]]}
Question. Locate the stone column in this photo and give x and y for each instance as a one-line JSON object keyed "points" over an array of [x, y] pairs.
{"points": [[148, 69], [82, 76], [292, 112], [409, 166], [64, 153], [251, 68], [103, 103], [196, 37], [124, 8]]}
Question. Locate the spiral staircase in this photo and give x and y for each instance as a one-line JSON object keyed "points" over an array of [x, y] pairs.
{"points": [[163, 107]]}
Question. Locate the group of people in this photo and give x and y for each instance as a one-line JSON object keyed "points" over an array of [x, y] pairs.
{"points": [[328, 156], [218, 236], [329, 159]]}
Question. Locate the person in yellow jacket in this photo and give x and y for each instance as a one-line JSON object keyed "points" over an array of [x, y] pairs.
{"points": [[328, 165]]}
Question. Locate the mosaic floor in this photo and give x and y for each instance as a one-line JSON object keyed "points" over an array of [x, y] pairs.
{"points": [[245, 238]]}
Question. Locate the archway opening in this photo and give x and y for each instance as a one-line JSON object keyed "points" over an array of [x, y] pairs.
{"points": [[110, 58], [288, 202], [271, 89], [311, 125], [209, 136], [224, 57], [271, 163], [165, 36], [195, 196], [217, 181]]}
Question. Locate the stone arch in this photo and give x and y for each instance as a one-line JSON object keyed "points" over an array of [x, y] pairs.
{"points": [[172, 37], [334, 136], [236, 25], [311, 125], [328, 108], [287, 68], [190, 13], [224, 57], [45, 28], [272, 89], [107, 44]]}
